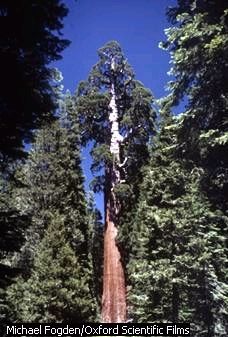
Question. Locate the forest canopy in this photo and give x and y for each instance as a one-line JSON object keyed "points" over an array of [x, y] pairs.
{"points": [[30, 40]]}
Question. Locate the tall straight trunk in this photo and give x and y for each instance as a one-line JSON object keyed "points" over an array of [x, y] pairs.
{"points": [[114, 293], [114, 289]]}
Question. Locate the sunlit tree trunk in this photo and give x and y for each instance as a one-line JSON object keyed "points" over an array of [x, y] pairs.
{"points": [[114, 291]]}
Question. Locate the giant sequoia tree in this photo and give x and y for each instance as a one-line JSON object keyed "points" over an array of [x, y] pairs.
{"points": [[117, 116]]}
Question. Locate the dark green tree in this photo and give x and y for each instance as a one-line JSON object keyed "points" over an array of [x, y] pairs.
{"points": [[30, 40]]}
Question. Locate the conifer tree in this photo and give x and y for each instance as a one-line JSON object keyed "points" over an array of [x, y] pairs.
{"points": [[117, 116], [95, 247], [13, 226], [54, 192], [58, 289], [177, 245], [53, 180], [30, 41], [198, 46]]}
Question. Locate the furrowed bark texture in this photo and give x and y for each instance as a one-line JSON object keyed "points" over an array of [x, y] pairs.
{"points": [[114, 297], [114, 290]]}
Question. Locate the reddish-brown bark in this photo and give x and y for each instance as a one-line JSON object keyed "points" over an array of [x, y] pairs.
{"points": [[114, 292]]}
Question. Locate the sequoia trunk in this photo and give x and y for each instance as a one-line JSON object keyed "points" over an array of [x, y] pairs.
{"points": [[114, 290], [114, 297]]}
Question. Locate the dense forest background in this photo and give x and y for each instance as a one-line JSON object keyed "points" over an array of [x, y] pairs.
{"points": [[171, 192]]}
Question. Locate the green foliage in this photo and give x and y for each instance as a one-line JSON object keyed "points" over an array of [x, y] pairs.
{"points": [[198, 44], [59, 287], [52, 181], [177, 266], [95, 248], [53, 195], [136, 125], [134, 103], [30, 40], [172, 198], [177, 243], [13, 226]]}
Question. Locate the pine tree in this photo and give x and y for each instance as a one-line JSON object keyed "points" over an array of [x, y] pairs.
{"points": [[18, 121], [177, 245], [95, 247], [198, 45], [30, 41], [13, 226], [58, 289], [54, 193], [53, 181], [117, 116]]}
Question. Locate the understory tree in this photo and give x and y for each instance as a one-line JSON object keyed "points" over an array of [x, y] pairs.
{"points": [[180, 257], [30, 34], [59, 287], [177, 267], [198, 44], [60, 233], [13, 226], [117, 118], [95, 247]]}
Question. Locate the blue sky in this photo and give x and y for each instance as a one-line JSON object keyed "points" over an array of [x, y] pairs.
{"points": [[138, 25]]}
